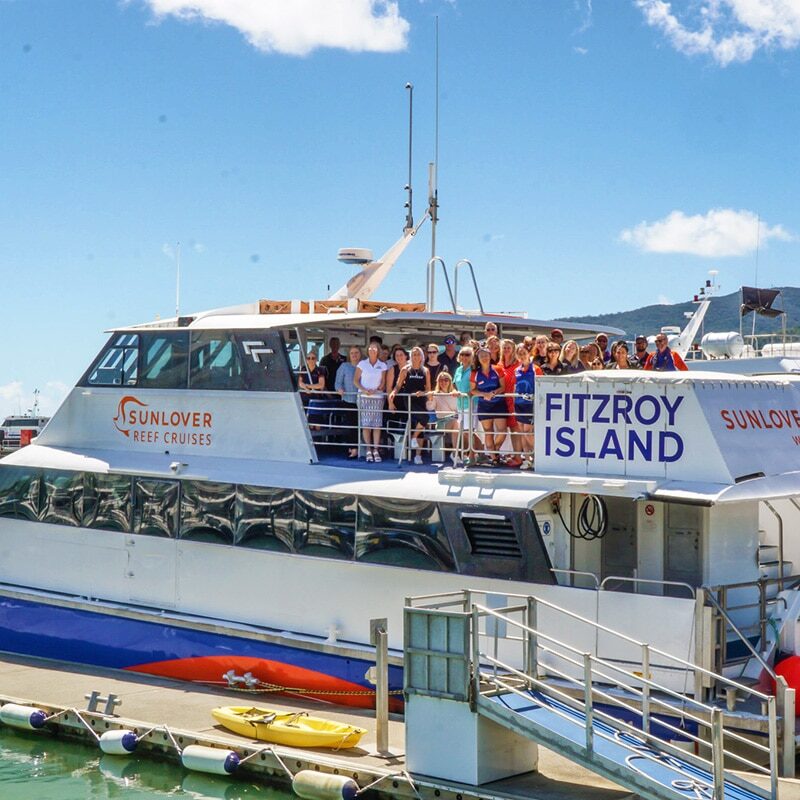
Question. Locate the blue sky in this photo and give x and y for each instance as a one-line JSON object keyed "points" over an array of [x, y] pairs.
{"points": [[594, 156]]}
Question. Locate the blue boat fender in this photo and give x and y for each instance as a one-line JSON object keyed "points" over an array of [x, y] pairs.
{"points": [[213, 760], [27, 718], [118, 743]]}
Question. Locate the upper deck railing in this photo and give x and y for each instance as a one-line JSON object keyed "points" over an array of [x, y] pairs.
{"points": [[444, 437]]}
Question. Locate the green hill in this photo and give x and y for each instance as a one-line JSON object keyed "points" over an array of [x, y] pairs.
{"points": [[723, 315]]}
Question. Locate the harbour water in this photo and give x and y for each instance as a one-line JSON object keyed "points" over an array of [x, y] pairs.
{"points": [[34, 767]]}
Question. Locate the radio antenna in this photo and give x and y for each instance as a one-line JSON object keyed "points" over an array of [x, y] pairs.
{"points": [[409, 209], [433, 189], [177, 279]]}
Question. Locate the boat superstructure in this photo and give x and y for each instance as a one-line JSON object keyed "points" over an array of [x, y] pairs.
{"points": [[180, 516]]}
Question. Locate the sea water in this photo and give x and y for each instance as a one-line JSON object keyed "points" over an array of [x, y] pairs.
{"points": [[38, 767]]}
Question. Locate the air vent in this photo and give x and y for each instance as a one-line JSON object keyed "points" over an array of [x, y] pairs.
{"points": [[491, 535]]}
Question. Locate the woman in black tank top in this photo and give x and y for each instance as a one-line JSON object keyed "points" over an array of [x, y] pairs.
{"points": [[413, 385]]}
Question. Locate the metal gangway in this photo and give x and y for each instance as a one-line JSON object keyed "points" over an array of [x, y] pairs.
{"points": [[612, 716]]}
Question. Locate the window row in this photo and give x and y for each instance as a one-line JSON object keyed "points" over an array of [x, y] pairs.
{"points": [[407, 533], [180, 359]]}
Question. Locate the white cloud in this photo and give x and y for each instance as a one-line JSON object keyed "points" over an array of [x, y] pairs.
{"points": [[585, 11], [15, 398], [720, 232], [581, 51], [296, 27], [727, 30], [663, 300]]}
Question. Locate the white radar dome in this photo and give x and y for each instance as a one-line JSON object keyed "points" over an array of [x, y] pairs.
{"points": [[354, 255]]}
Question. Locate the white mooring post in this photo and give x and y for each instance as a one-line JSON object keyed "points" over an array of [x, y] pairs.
{"points": [[379, 638]]}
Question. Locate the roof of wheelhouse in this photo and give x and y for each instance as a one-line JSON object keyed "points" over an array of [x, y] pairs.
{"points": [[394, 318]]}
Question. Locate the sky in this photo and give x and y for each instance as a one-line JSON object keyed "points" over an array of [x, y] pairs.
{"points": [[594, 156]]}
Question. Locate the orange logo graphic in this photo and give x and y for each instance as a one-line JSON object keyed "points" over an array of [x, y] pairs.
{"points": [[139, 422], [121, 418]]}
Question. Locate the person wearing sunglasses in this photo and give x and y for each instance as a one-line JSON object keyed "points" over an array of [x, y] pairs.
{"points": [[552, 364], [311, 380], [664, 359], [432, 361]]}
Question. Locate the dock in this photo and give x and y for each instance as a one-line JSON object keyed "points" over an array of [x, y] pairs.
{"points": [[184, 711]]}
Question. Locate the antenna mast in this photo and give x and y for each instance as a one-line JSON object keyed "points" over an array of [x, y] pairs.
{"points": [[409, 210], [177, 279], [433, 190]]}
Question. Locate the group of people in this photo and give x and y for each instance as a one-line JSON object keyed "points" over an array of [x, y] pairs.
{"points": [[496, 375]]}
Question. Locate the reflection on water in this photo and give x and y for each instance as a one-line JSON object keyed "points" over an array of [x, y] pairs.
{"points": [[37, 767]]}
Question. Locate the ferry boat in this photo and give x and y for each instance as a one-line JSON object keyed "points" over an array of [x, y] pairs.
{"points": [[178, 516]]}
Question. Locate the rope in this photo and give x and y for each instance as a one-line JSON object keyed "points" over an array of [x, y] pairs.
{"points": [[77, 713], [272, 752], [403, 774]]}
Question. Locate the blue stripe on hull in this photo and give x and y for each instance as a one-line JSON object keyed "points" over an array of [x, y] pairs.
{"points": [[104, 640]]}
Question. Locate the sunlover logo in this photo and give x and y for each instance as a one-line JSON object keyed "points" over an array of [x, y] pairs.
{"points": [[142, 423]]}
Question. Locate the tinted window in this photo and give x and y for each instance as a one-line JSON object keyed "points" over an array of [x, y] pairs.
{"points": [[215, 362], [163, 360], [155, 507], [62, 497], [117, 364], [19, 492], [403, 533], [264, 361], [325, 524], [207, 511], [264, 518], [107, 502]]}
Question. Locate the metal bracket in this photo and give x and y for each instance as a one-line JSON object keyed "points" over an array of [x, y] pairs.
{"points": [[95, 698]]}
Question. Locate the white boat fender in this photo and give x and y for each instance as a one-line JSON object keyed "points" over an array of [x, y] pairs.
{"points": [[312, 785], [26, 717], [213, 760], [118, 743]]}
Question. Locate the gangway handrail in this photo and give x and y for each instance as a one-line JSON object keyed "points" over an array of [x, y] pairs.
{"points": [[747, 689], [461, 263], [692, 591], [770, 671], [532, 637], [647, 699], [617, 701], [598, 625]]}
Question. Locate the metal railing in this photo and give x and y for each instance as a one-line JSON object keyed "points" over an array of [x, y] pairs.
{"points": [[517, 645], [465, 262], [597, 704], [731, 616], [456, 436]]}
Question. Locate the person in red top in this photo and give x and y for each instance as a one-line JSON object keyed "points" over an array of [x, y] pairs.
{"points": [[664, 359], [509, 362]]}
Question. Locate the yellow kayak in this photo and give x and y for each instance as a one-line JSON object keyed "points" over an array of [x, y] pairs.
{"points": [[295, 730]]}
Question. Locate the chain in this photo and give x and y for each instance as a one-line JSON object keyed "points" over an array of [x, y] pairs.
{"points": [[274, 688]]}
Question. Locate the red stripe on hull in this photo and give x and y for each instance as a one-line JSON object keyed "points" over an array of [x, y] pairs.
{"points": [[210, 669]]}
